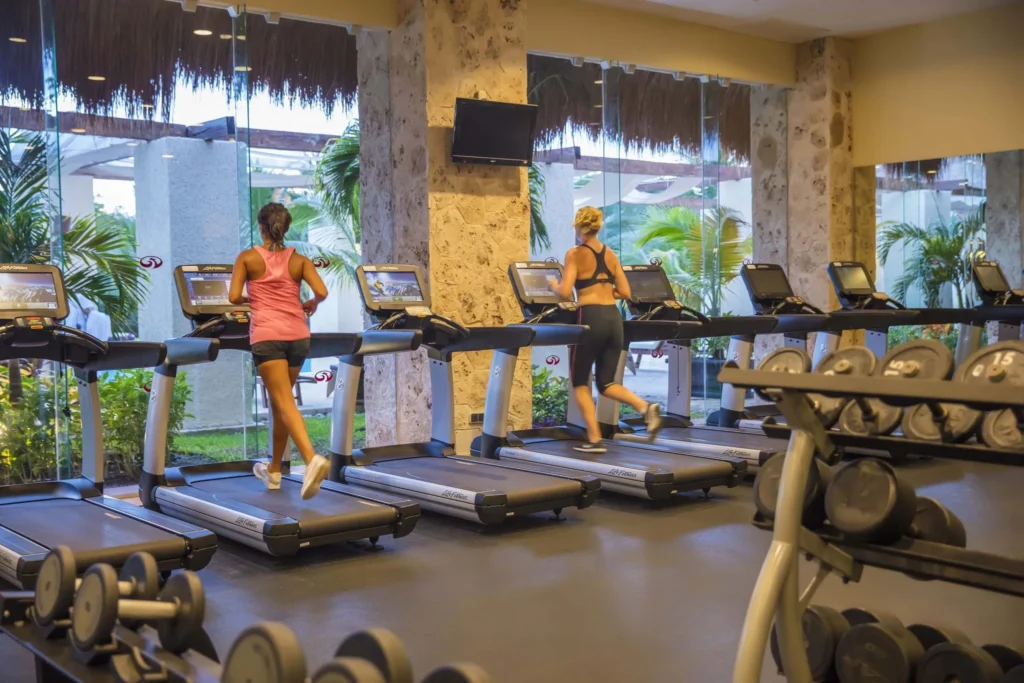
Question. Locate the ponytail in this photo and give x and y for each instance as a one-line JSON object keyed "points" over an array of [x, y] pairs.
{"points": [[274, 222]]}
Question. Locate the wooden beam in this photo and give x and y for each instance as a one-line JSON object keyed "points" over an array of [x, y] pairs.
{"points": [[639, 167], [140, 129]]}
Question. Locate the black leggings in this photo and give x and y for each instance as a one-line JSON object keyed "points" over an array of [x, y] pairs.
{"points": [[600, 348]]}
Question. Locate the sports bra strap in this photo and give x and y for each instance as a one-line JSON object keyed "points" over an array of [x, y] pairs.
{"points": [[601, 269]]}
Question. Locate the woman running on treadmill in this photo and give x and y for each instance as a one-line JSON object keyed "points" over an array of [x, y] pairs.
{"points": [[594, 271], [279, 335]]}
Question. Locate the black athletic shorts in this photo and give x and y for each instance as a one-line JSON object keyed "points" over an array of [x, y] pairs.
{"points": [[600, 348], [295, 352]]}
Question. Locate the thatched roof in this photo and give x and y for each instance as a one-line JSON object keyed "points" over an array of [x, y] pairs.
{"points": [[142, 46], [656, 111]]}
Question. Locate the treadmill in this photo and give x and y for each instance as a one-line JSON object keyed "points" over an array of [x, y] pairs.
{"points": [[39, 516], [999, 304], [226, 497], [653, 300], [641, 470], [473, 489]]}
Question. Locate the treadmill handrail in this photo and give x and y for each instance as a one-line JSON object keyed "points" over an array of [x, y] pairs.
{"points": [[870, 318], [739, 325], [128, 355], [330, 344], [657, 330], [492, 337], [389, 341], [554, 334], [191, 350], [1010, 313], [800, 322]]}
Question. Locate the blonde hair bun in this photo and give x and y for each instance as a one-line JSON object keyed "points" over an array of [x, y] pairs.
{"points": [[589, 219]]}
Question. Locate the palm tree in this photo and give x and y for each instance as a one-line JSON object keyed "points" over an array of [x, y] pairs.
{"points": [[98, 259], [937, 255], [701, 254]]}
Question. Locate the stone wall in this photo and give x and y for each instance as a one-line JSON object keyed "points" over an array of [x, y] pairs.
{"points": [[1004, 212]]}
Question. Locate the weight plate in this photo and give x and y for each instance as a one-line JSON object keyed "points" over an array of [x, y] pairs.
{"points": [[787, 359], [266, 652], [94, 614], [458, 673], [927, 359], [929, 636], [767, 481], [869, 503], [142, 571], [1001, 429], [959, 424], [186, 590], [381, 647], [958, 662], [934, 522], [823, 629], [875, 652], [1001, 363], [1008, 657], [1014, 675], [851, 361], [55, 587], [881, 420], [348, 670]]}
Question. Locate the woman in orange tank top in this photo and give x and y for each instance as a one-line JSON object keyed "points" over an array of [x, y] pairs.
{"points": [[279, 337]]}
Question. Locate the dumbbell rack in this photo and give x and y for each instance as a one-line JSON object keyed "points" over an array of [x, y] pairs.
{"points": [[776, 596], [56, 663]]}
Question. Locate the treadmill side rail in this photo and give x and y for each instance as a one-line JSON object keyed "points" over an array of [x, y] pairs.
{"points": [[652, 484], [20, 559]]}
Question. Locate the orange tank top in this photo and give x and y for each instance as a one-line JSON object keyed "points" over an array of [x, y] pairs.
{"points": [[274, 300]]}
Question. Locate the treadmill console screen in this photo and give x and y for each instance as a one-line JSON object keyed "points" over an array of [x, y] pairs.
{"points": [[28, 291], [649, 285], [393, 287], [208, 289], [990, 278], [767, 283], [854, 280], [537, 281]]}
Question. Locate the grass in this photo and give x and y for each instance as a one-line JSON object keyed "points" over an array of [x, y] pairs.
{"points": [[226, 445]]}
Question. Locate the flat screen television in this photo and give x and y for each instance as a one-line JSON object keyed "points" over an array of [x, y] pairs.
{"points": [[493, 133]]}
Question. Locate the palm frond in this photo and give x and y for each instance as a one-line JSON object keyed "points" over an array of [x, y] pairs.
{"points": [[539, 238], [336, 178]]}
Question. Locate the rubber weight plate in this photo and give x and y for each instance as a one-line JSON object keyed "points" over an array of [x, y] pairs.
{"points": [[1008, 657], [55, 587], [787, 359], [956, 424], [927, 359], [142, 571], [878, 652], [185, 589], [766, 490], [1014, 675], [960, 662], [1001, 429], [383, 649], [348, 670], [851, 361], [880, 418], [823, 629], [934, 522], [929, 636], [94, 613], [868, 502], [458, 673], [265, 653]]}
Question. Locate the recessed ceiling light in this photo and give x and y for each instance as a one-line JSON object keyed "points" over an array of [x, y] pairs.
{"points": [[932, 172], [243, 68], [964, 183], [133, 143], [147, 106], [225, 36], [29, 148], [241, 37], [78, 131], [598, 82], [598, 106], [203, 32], [167, 156], [97, 78], [15, 39]]}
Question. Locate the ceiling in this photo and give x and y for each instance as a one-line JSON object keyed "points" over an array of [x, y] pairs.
{"points": [[797, 21]]}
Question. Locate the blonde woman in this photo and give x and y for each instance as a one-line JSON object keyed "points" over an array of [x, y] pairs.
{"points": [[596, 274]]}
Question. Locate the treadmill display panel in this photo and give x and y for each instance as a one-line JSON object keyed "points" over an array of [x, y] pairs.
{"points": [[208, 289], [394, 287], [649, 285], [537, 281], [768, 283], [29, 291], [991, 278], [854, 280]]}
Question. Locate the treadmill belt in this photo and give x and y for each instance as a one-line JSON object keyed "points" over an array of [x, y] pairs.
{"points": [[521, 488], [723, 437], [681, 466], [94, 533], [325, 513]]}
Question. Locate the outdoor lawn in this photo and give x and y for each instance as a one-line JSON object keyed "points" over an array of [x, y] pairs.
{"points": [[229, 445]]}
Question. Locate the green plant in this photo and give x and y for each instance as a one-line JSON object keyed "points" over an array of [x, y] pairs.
{"points": [[550, 397], [937, 255], [28, 439], [701, 254], [230, 444], [947, 334], [538, 194]]}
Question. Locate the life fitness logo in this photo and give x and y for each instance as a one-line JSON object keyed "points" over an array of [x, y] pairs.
{"points": [[151, 261], [657, 353], [553, 360], [655, 261], [321, 261], [551, 259], [324, 376], [147, 387]]}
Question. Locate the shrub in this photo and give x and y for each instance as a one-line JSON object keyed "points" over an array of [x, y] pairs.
{"points": [[947, 334], [28, 440], [550, 398]]}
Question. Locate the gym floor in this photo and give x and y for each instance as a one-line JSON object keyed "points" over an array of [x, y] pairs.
{"points": [[621, 591]]}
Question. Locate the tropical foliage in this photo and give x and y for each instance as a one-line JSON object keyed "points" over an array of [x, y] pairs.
{"points": [[933, 256], [702, 252]]}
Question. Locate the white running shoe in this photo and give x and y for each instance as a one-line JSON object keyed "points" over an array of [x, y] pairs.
{"points": [[272, 480], [316, 471], [652, 418], [590, 447]]}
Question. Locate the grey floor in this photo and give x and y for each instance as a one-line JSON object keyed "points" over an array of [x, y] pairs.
{"points": [[623, 591]]}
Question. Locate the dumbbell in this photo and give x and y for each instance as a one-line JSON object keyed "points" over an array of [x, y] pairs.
{"points": [[58, 580], [869, 503], [1000, 364], [266, 651], [966, 663], [881, 648], [177, 613], [823, 628], [850, 361], [365, 653], [788, 359], [1014, 675], [766, 490], [458, 673]]}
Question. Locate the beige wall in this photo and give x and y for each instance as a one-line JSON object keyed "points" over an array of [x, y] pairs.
{"points": [[944, 88]]}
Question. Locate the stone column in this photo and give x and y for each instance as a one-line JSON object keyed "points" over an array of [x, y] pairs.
{"points": [[462, 224], [187, 194], [1004, 212]]}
